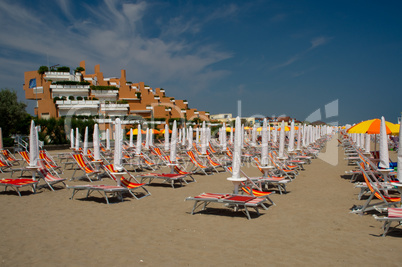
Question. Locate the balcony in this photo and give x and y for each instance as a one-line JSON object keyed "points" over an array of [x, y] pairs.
{"points": [[77, 107], [115, 107], [105, 94], [58, 89], [62, 76]]}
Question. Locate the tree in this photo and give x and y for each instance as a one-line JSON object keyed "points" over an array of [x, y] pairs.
{"points": [[43, 69], [14, 118], [79, 69]]}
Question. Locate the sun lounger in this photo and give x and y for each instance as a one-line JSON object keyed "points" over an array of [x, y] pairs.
{"points": [[104, 190], [49, 178], [131, 186], [170, 178], [237, 202], [394, 215], [16, 184], [10, 157]]}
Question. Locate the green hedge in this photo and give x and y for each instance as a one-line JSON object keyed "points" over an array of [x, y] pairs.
{"points": [[94, 87]]}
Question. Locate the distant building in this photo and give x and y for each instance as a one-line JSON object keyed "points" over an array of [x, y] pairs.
{"points": [[225, 117], [62, 93]]}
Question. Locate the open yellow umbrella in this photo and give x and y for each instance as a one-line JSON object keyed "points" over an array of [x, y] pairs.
{"points": [[228, 129], [371, 127], [154, 131], [259, 129], [135, 132], [287, 128], [163, 131]]}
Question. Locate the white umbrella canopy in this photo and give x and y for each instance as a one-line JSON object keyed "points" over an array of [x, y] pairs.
{"points": [[231, 135], [96, 142], [131, 144], [197, 137], [173, 143], [304, 137], [190, 138], [77, 139], [367, 144], [107, 139], [33, 146], [399, 160], [72, 139], [147, 139], [236, 161], [118, 143], [282, 140], [85, 149], [299, 138], [291, 145], [139, 141], [254, 135], [151, 138], [384, 156], [166, 137], [264, 144], [203, 139], [183, 138], [275, 135]]}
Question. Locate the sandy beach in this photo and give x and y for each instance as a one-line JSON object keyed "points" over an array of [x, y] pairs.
{"points": [[310, 225]]}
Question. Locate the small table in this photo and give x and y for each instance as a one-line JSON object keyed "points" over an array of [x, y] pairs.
{"points": [[266, 169], [385, 173]]}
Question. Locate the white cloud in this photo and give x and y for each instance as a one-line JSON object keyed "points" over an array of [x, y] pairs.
{"points": [[315, 42], [318, 41], [113, 35]]}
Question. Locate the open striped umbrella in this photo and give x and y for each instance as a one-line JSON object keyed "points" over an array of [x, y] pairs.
{"points": [[371, 127]]}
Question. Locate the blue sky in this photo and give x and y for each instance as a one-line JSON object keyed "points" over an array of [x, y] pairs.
{"points": [[277, 57]]}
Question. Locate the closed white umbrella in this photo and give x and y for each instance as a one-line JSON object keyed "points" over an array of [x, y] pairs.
{"points": [[131, 144], [399, 160], [118, 143], [85, 149], [236, 161], [264, 144], [254, 135], [72, 139], [299, 138], [190, 138], [147, 139], [291, 145], [107, 139], [203, 139], [269, 133], [151, 137], [33, 146], [197, 135], [139, 141], [384, 157], [275, 134], [282, 140], [96, 142], [77, 139], [166, 137], [183, 139], [173, 143], [367, 144]]}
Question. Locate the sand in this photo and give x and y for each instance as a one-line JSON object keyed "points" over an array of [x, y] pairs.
{"points": [[311, 225]]}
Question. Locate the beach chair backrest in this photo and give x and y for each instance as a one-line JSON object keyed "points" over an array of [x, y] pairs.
{"points": [[81, 162], [25, 156]]}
